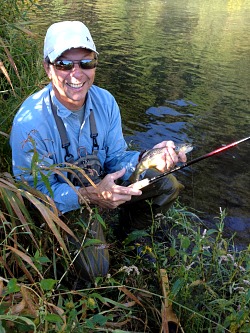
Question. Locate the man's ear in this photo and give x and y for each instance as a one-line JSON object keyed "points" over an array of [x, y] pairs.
{"points": [[47, 68]]}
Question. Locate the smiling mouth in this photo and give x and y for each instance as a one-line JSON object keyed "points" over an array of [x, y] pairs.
{"points": [[74, 85]]}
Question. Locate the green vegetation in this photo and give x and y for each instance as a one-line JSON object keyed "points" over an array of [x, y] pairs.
{"points": [[208, 279], [198, 276], [21, 70]]}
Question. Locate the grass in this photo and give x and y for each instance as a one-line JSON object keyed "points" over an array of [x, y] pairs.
{"points": [[207, 286], [21, 70], [198, 279]]}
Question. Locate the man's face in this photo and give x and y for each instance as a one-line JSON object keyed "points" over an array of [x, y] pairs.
{"points": [[71, 86]]}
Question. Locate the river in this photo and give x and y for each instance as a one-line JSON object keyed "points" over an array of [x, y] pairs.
{"points": [[179, 70]]}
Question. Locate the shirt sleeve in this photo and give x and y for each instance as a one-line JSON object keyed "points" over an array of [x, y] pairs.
{"points": [[32, 162]]}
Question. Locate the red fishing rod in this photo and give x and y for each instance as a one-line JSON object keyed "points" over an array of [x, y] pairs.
{"points": [[198, 159]]}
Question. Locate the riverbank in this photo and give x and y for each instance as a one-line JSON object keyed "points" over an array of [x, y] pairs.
{"points": [[207, 277]]}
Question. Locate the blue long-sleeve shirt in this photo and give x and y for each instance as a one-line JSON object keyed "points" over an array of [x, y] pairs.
{"points": [[34, 124]]}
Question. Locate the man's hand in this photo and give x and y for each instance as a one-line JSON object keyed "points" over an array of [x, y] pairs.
{"points": [[169, 158], [107, 194]]}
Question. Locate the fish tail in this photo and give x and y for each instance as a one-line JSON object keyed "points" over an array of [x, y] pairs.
{"points": [[134, 177]]}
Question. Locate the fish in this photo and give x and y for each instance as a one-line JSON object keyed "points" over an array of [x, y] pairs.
{"points": [[151, 157]]}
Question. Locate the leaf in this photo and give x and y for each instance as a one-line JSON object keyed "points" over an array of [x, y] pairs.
{"points": [[99, 319], [118, 324], [7, 136], [98, 296], [185, 242], [211, 231], [25, 30], [26, 258], [60, 313], [99, 219], [18, 318], [12, 286], [18, 207], [18, 308], [135, 235], [50, 218], [106, 300], [34, 169], [45, 179], [30, 300], [248, 297], [4, 71], [2, 330], [6, 50], [90, 242], [48, 284], [130, 295], [1, 287], [177, 286], [53, 318], [223, 303], [172, 252]]}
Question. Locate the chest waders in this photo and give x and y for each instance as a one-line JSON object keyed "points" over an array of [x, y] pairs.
{"points": [[91, 261]]}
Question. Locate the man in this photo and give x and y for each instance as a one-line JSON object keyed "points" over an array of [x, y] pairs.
{"points": [[70, 60]]}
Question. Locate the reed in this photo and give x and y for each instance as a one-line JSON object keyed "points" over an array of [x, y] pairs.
{"points": [[208, 279], [21, 70]]}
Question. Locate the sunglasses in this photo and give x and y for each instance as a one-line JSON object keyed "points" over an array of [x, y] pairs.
{"points": [[68, 65]]}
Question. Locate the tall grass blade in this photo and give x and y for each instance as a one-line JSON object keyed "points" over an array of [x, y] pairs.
{"points": [[18, 206], [12, 62], [13, 319], [25, 30], [4, 134], [25, 257], [4, 71]]}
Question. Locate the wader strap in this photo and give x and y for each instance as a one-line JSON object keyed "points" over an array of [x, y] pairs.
{"points": [[62, 131], [63, 134], [94, 133]]}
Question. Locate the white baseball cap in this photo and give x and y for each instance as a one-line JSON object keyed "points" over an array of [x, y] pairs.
{"points": [[65, 35]]}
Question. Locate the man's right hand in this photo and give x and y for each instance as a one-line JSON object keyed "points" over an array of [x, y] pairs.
{"points": [[107, 194]]}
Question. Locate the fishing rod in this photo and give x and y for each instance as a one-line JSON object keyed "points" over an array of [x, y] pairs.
{"points": [[198, 159], [147, 181]]}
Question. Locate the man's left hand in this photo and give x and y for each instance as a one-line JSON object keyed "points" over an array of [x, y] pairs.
{"points": [[169, 158]]}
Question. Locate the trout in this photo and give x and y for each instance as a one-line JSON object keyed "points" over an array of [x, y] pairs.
{"points": [[151, 157]]}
